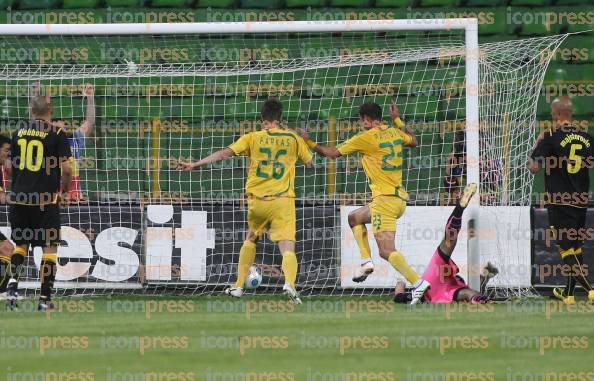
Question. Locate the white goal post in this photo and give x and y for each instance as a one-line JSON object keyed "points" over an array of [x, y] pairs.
{"points": [[422, 47]]}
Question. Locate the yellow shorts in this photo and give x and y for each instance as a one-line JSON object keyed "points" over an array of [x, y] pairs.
{"points": [[385, 210], [275, 216]]}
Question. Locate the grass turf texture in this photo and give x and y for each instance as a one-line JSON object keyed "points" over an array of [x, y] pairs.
{"points": [[324, 339]]}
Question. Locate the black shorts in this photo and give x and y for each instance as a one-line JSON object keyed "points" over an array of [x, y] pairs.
{"points": [[2, 237], [34, 225], [569, 225]]}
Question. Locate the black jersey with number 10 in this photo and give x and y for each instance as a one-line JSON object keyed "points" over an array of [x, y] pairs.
{"points": [[37, 152]]}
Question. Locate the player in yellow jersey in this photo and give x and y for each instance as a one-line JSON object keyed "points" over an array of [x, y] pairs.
{"points": [[381, 147], [273, 153]]}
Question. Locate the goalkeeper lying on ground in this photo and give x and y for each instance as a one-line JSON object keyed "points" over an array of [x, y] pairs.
{"points": [[442, 273]]}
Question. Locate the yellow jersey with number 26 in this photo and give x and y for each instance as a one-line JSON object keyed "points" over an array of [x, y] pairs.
{"points": [[273, 154]]}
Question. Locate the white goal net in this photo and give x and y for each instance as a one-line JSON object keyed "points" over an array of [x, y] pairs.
{"points": [[143, 227]]}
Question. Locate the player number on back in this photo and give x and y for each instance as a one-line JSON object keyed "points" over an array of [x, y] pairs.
{"points": [[27, 148], [278, 168], [386, 166], [575, 161]]}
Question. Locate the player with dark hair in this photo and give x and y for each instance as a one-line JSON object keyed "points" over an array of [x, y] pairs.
{"points": [[381, 146], [273, 153], [40, 161], [6, 247], [566, 152], [446, 285]]}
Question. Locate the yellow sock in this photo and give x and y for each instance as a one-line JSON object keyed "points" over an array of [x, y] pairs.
{"points": [[360, 234], [247, 254], [289, 266], [19, 251], [399, 263]]}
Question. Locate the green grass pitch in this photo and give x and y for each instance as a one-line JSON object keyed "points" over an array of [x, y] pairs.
{"points": [[265, 338]]}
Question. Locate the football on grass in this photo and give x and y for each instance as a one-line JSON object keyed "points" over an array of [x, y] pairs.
{"points": [[254, 278]]}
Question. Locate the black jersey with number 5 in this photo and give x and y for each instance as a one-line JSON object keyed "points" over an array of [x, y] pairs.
{"points": [[567, 155], [37, 151]]}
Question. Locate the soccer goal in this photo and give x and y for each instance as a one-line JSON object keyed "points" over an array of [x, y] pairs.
{"points": [[169, 91]]}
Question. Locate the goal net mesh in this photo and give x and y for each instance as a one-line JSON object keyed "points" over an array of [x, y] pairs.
{"points": [[143, 227]]}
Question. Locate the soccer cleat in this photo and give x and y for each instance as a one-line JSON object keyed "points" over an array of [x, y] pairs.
{"points": [[363, 272], [469, 191], [236, 292], [559, 294], [591, 296], [292, 294], [12, 295], [419, 288]]}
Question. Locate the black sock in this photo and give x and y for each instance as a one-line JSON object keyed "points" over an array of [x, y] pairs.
{"points": [[16, 264], [570, 286], [47, 274], [454, 222], [575, 263], [4, 276]]}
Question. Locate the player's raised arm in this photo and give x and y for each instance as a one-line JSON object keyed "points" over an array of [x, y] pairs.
{"points": [[395, 114], [65, 161], [86, 129], [34, 90]]}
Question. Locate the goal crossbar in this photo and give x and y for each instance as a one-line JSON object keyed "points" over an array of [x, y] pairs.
{"points": [[240, 27]]}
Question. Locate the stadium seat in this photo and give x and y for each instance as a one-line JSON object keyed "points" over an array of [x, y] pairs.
{"points": [[125, 3], [573, 2], [577, 27], [496, 38], [527, 22], [171, 3], [393, 3], [543, 109], [531, 3], [556, 73], [582, 105], [485, 3], [305, 3], [492, 21], [79, 4], [350, 3], [263, 4], [215, 3], [39, 4], [439, 3], [586, 72], [577, 49]]}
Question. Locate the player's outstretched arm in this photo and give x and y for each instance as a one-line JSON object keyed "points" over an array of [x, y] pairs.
{"points": [[395, 114], [330, 152], [212, 158], [89, 124]]}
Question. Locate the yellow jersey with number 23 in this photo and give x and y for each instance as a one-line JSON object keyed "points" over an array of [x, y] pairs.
{"points": [[382, 149]]}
